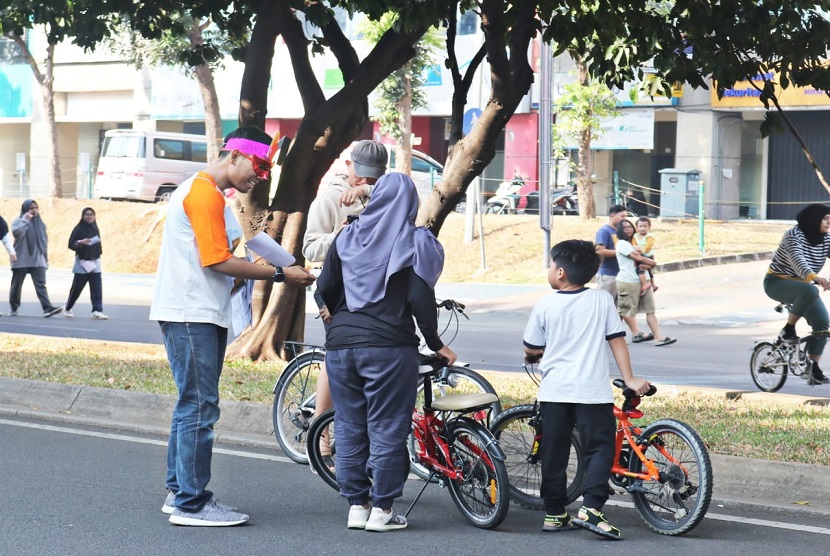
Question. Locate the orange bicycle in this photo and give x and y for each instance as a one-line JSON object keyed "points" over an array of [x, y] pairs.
{"points": [[665, 466]]}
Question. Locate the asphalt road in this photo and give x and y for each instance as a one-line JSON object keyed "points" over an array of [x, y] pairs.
{"points": [[717, 314], [80, 490]]}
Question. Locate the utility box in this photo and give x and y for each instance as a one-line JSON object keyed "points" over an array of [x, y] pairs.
{"points": [[679, 192]]}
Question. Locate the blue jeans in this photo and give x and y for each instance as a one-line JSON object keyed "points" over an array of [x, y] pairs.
{"points": [[806, 303], [196, 352], [373, 390]]}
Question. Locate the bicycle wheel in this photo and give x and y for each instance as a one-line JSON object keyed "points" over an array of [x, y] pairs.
{"points": [[293, 407], [460, 380], [323, 425], [515, 429], [482, 493], [677, 502], [768, 367]]}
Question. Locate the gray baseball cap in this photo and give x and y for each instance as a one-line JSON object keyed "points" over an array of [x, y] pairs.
{"points": [[369, 159]]}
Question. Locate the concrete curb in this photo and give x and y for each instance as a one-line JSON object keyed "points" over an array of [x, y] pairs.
{"points": [[712, 261], [744, 482]]}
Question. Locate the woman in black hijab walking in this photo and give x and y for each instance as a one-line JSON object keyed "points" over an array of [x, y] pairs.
{"points": [[85, 240], [30, 242], [792, 272]]}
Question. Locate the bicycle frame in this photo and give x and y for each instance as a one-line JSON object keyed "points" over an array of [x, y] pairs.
{"points": [[429, 430], [629, 435]]}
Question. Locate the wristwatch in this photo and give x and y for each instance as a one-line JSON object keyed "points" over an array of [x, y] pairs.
{"points": [[279, 275]]}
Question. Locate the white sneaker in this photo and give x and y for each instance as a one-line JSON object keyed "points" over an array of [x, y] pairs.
{"points": [[381, 521], [99, 315], [67, 313], [358, 516]]}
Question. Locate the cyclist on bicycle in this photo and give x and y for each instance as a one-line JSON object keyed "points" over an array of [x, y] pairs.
{"points": [[568, 330], [792, 272]]}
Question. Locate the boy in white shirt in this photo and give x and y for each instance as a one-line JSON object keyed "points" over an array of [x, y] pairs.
{"points": [[567, 331]]}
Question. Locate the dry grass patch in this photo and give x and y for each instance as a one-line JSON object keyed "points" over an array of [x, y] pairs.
{"points": [[512, 244], [124, 366], [734, 427]]}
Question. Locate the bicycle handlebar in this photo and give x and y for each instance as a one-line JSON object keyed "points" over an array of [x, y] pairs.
{"points": [[628, 393], [452, 305]]}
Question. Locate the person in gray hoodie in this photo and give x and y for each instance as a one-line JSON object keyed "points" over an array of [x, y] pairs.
{"points": [[30, 245]]}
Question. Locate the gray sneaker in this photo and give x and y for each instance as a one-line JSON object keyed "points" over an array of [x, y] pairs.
{"points": [[170, 504], [211, 515], [381, 521]]}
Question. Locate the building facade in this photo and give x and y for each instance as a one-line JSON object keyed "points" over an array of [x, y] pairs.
{"points": [[743, 174]]}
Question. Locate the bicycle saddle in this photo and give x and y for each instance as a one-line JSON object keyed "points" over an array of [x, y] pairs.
{"points": [[464, 402]]}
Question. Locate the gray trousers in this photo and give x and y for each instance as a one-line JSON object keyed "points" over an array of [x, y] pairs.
{"points": [[38, 274], [373, 390]]}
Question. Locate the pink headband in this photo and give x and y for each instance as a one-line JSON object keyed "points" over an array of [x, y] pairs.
{"points": [[248, 147]]}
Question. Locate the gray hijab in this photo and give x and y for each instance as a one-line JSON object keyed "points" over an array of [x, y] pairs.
{"points": [[35, 237], [384, 241]]}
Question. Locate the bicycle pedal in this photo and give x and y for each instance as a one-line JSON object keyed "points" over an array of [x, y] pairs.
{"points": [[441, 483]]}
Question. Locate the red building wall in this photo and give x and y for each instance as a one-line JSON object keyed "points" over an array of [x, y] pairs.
{"points": [[521, 147]]}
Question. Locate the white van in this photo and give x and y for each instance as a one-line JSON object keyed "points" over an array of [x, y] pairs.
{"points": [[147, 165]]}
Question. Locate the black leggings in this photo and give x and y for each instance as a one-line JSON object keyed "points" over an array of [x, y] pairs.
{"points": [[95, 293]]}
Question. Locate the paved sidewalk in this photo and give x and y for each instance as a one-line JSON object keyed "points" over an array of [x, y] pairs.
{"points": [[738, 482]]}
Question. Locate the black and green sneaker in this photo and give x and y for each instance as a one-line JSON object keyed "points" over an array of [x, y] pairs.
{"points": [[595, 521], [556, 523]]}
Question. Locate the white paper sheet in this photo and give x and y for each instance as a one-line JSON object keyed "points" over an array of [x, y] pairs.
{"points": [[241, 313], [88, 266], [270, 250]]}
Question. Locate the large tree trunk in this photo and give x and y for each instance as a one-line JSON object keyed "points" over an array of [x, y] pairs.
{"points": [[207, 87], [584, 182], [253, 99], [585, 165], [47, 88], [328, 127], [46, 79], [511, 77]]}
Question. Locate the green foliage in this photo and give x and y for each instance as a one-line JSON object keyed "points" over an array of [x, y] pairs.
{"points": [[173, 47], [579, 111], [392, 90]]}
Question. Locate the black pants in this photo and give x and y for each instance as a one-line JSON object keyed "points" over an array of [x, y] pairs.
{"points": [[596, 426], [38, 278], [95, 294]]}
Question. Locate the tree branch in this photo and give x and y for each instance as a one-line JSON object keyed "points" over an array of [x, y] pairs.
{"points": [[297, 43], [18, 40], [342, 49]]}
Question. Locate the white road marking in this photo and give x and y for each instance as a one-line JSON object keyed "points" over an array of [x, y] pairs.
{"points": [[280, 459], [745, 520], [125, 438]]}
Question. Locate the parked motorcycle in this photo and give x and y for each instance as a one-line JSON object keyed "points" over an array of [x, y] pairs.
{"points": [[564, 200], [506, 198]]}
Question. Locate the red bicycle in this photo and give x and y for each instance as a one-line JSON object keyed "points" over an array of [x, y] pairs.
{"points": [[457, 451]]}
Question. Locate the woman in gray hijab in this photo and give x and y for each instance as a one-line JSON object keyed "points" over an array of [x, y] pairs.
{"points": [[379, 273], [30, 242]]}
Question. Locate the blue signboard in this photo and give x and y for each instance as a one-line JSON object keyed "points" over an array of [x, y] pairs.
{"points": [[471, 116]]}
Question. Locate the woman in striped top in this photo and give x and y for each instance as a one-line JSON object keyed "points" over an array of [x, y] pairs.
{"points": [[794, 268]]}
